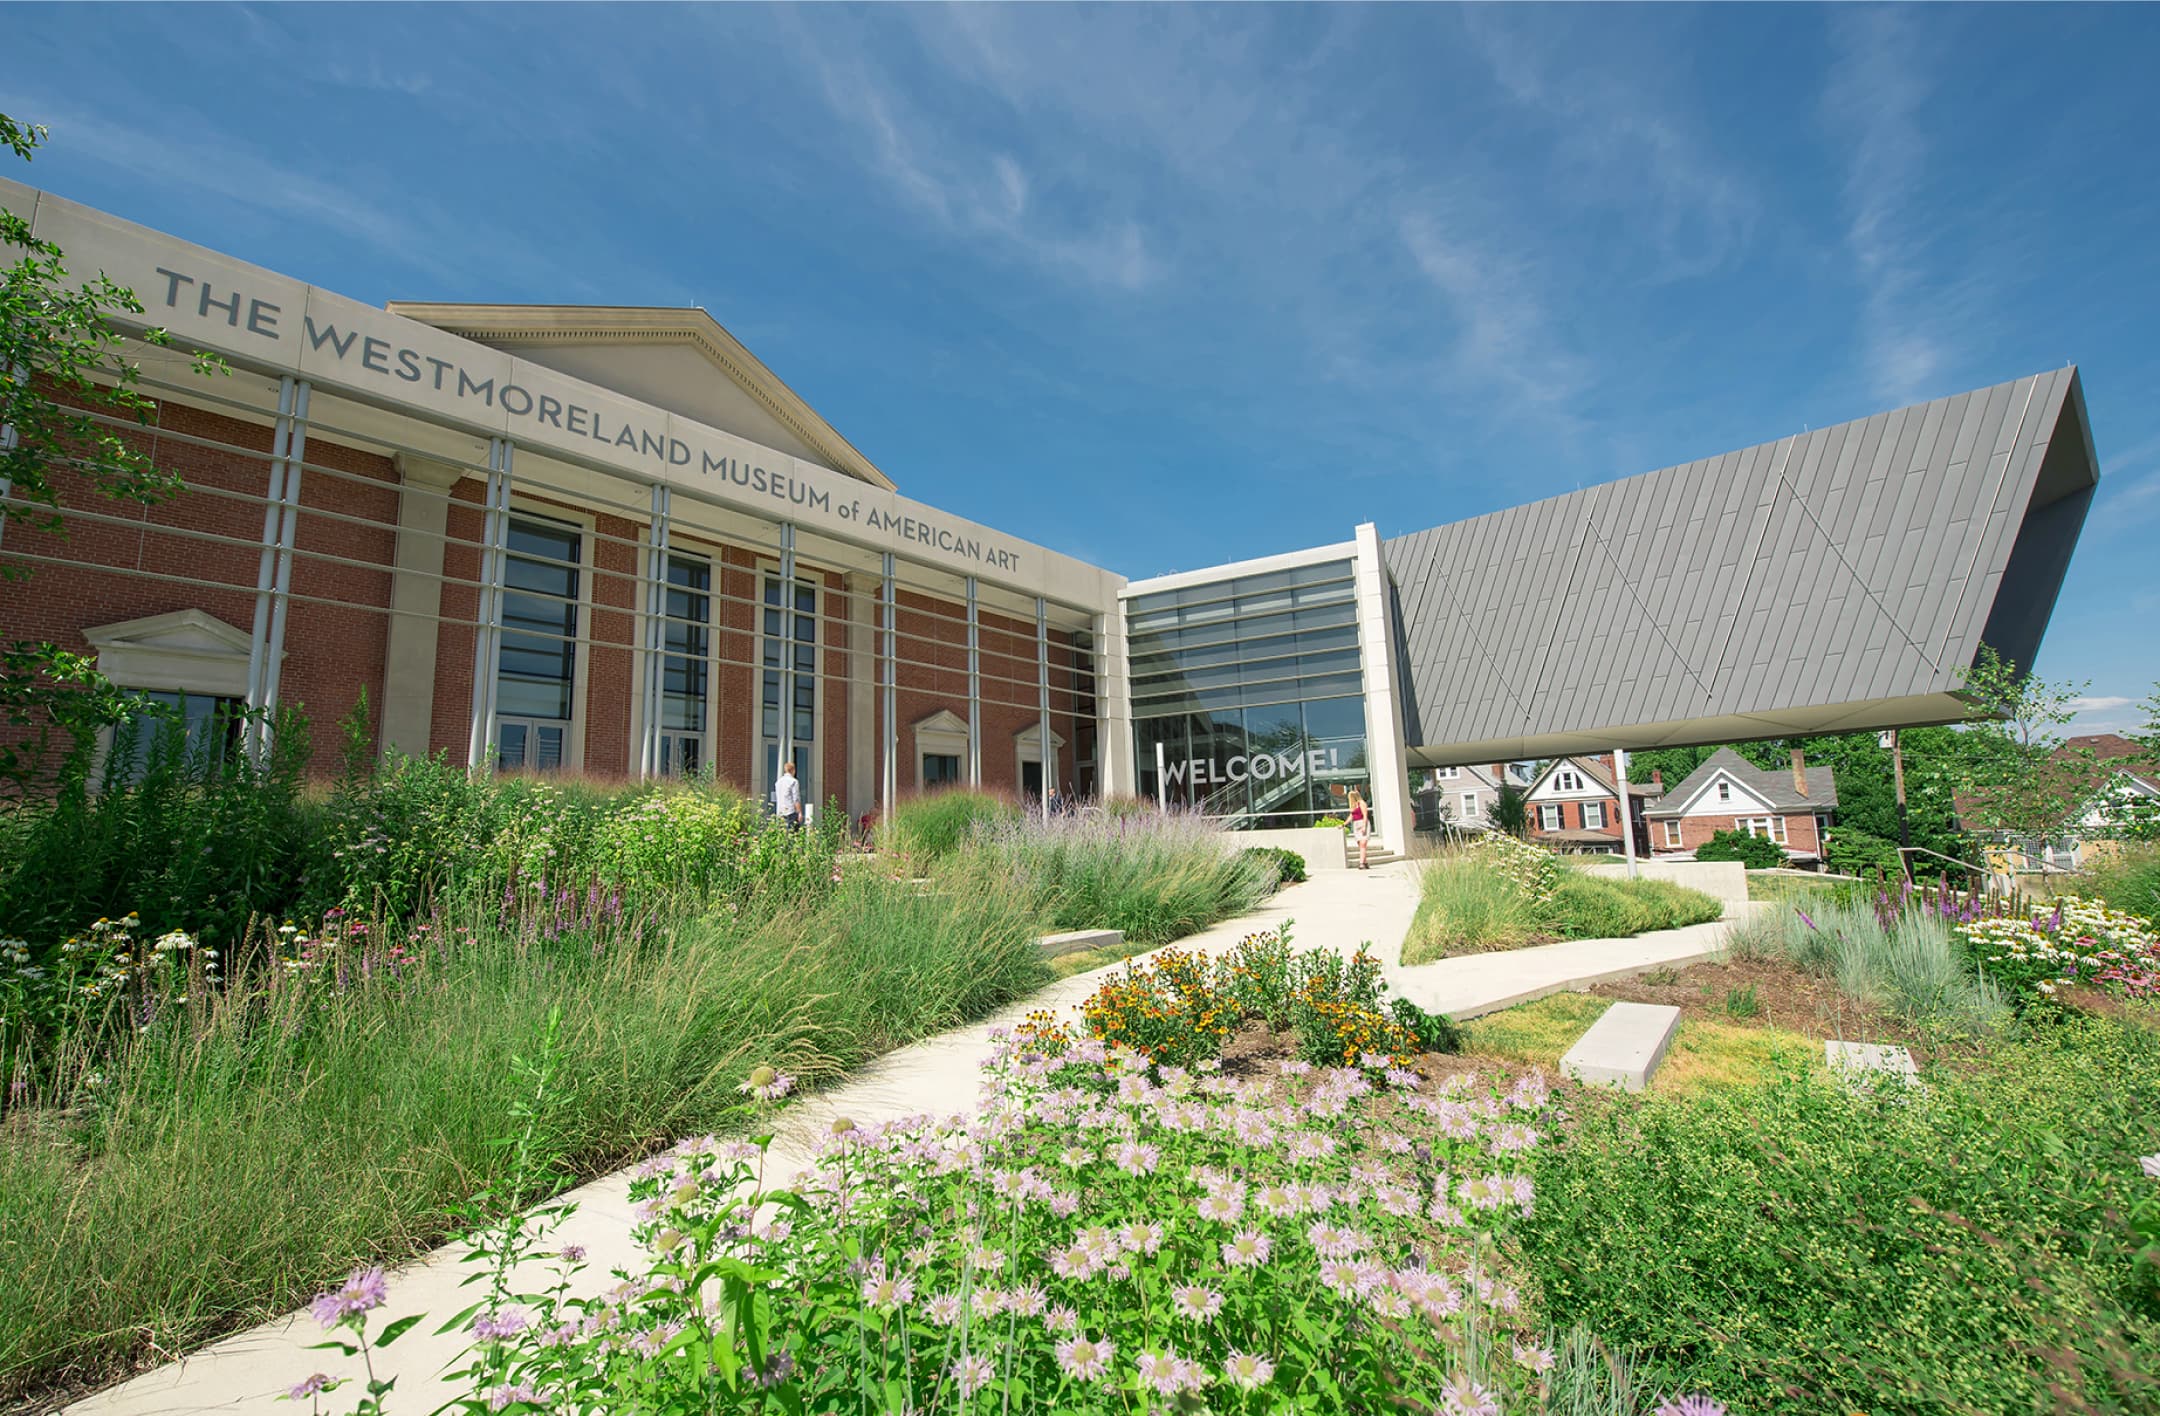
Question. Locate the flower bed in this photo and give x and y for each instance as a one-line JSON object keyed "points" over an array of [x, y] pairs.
{"points": [[2076, 942]]}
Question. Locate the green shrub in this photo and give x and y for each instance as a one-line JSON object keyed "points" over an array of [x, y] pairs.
{"points": [[218, 1169], [1755, 852], [2127, 878], [1289, 865], [1601, 907], [1504, 894], [929, 828], [1801, 1246], [1464, 907], [1855, 852]]}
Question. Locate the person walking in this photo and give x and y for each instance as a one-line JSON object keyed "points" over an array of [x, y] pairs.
{"points": [[787, 797], [1360, 826]]}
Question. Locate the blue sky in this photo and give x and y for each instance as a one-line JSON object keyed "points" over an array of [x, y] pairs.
{"points": [[1166, 287]]}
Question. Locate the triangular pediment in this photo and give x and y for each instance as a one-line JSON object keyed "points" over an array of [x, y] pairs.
{"points": [[176, 632], [679, 359], [944, 720], [180, 651]]}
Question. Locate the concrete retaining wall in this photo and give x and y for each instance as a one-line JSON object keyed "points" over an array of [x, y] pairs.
{"points": [[1322, 846], [1721, 879]]}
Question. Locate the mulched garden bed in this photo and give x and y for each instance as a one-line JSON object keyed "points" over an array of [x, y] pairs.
{"points": [[1786, 998]]}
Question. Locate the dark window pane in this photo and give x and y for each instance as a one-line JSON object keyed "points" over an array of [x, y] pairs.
{"points": [[1335, 718]]}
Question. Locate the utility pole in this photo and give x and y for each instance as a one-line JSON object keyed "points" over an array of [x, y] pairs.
{"points": [[1897, 775]]}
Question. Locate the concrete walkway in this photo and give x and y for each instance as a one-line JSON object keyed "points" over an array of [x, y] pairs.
{"points": [[1338, 910]]}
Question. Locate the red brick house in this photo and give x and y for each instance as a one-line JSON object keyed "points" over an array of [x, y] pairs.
{"points": [[1574, 805], [1790, 805]]}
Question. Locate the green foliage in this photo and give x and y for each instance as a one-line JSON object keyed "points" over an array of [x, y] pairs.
{"points": [[1855, 852], [1510, 811], [1742, 1002], [1504, 894], [252, 1145], [1289, 865], [2128, 879], [1432, 1032], [929, 828], [1957, 1247], [1911, 965], [1755, 852], [2013, 772]]}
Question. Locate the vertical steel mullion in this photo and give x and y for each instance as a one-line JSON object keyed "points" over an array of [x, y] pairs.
{"points": [[1042, 695], [7, 444], [786, 729], [889, 731], [288, 541], [649, 759], [266, 564], [974, 661]]}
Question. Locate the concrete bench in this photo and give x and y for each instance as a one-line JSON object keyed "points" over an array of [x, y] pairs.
{"points": [[1079, 940], [1624, 1046], [1861, 1062]]}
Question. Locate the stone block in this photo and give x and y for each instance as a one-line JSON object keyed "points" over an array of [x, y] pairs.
{"points": [[1078, 940], [1624, 1046], [1863, 1061]]}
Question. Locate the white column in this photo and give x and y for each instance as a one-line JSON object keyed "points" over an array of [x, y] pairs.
{"points": [[974, 651], [1384, 747], [1627, 807], [654, 677], [408, 688], [889, 728], [487, 612], [273, 573], [1042, 702], [1115, 765], [787, 650]]}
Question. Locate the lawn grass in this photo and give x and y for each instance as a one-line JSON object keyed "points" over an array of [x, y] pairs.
{"points": [[1467, 907], [236, 1157], [1784, 887], [1704, 1054]]}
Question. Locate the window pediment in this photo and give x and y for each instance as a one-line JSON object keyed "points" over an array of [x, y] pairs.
{"points": [[186, 651]]}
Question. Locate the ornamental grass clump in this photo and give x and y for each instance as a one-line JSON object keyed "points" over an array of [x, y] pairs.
{"points": [[1156, 877], [1105, 1236]]}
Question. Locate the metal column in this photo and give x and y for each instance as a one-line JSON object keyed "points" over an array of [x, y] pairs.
{"points": [[786, 652], [7, 444], [974, 647], [1042, 696], [889, 730], [487, 612], [273, 571], [650, 761]]}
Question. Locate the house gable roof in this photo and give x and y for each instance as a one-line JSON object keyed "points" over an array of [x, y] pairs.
{"points": [[1771, 786]]}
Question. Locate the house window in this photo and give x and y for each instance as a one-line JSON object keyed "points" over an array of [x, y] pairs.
{"points": [[1567, 780], [1724, 791], [207, 727], [1769, 827], [1549, 818], [686, 666], [790, 639], [1672, 834], [1593, 815], [1446, 774], [535, 678], [1469, 806], [940, 769]]}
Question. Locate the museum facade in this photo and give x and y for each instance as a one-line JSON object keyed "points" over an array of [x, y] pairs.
{"points": [[611, 541]]}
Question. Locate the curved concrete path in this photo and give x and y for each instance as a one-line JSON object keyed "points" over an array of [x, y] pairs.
{"points": [[1337, 909]]}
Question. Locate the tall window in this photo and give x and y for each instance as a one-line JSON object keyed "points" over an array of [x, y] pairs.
{"points": [[201, 727], [790, 638], [685, 666], [1567, 780], [536, 678], [1593, 815], [1549, 818]]}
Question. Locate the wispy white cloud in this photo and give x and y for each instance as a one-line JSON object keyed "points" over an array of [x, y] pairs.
{"points": [[1873, 101], [1501, 334]]}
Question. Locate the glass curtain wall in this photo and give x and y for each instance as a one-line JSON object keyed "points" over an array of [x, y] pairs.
{"points": [[1254, 690], [790, 638], [537, 671]]}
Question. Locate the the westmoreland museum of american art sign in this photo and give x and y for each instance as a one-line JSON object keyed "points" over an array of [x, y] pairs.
{"points": [[264, 320]]}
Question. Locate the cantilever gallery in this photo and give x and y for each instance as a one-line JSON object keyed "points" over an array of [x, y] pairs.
{"points": [[609, 540]]}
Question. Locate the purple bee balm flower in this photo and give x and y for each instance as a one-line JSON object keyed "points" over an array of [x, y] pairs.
{"points": [[1196, 1301], [364, 1290], [1247, 1371], [1465, 1397], [1083, 1360], [1692, 1405], [317, 1383], [972, 1373]]}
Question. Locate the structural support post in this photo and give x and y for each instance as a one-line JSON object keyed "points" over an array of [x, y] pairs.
{"points": [[974, 651], [273, 571], [7, 444], [487, 612], [889, 728], [650, 762], [1627, 807], [1042, 702], [787, 650]]}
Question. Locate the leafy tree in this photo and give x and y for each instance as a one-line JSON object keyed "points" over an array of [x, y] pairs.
{"points": [[1674, 762], [1755, 852], [2012, 770], [1510, 811], [65, 379]]}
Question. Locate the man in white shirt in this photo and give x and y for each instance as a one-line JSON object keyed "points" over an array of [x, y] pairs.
{"points": [[787, 797]]}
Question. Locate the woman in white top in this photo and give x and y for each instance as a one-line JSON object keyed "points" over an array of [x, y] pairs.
{"points": [[1360, 826]]}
